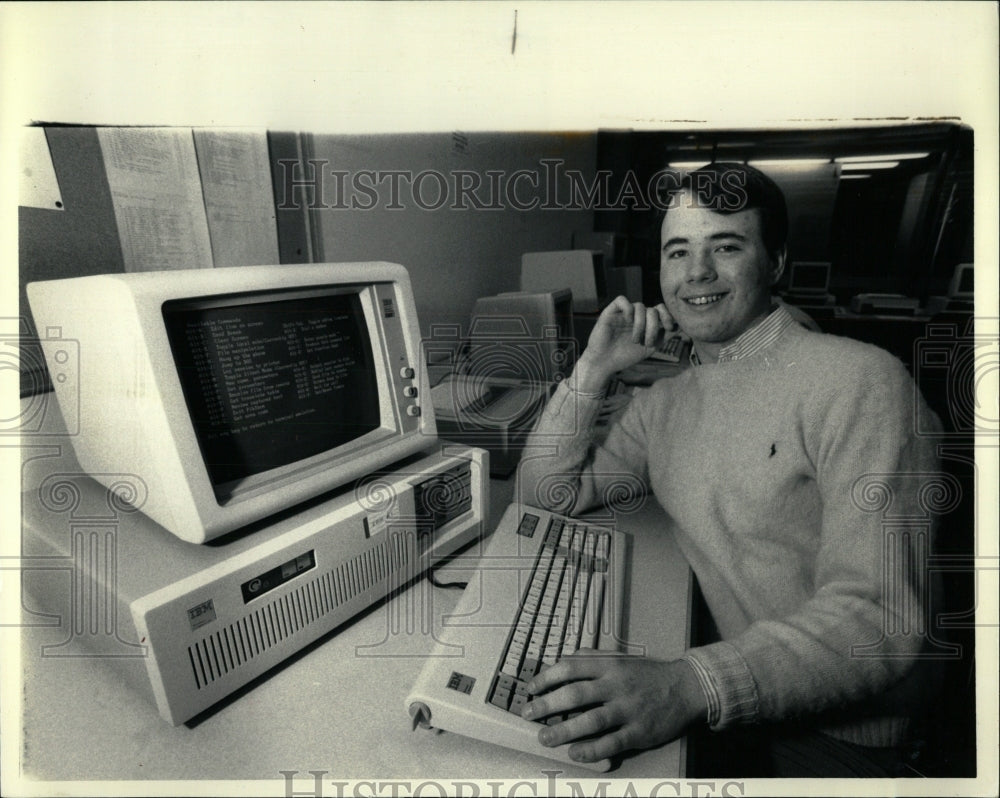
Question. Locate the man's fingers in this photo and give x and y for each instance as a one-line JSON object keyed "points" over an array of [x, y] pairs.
{"points": [[665, 318], [652, 327], [571, 697], [638, 322], [582, 664], [618, 306], [603, 747], [586, 724], [567, 670]]}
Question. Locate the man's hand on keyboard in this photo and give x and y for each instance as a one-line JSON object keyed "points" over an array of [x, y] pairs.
{"points": [[617, 701]]}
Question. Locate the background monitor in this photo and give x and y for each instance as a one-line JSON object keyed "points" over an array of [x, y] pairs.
{"points": [[525, 335], [236, 393], [963, 283], [625, 281], [581, 270], [611, 245], [809, 277]]}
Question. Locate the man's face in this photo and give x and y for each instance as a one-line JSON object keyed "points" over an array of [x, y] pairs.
{"points": [[715, 272]]}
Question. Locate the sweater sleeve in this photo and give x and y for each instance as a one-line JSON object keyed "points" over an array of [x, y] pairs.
{"points": [[564, 468], [861, 629]]}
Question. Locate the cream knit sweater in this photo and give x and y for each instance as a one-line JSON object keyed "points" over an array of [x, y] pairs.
{"points": [[786, 474]]}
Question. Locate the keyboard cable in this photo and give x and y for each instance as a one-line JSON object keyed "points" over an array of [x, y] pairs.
{"points": [[432, 578]]}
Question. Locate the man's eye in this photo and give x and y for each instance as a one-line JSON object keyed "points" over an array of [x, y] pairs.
{"points": [[674, 254], [728, 248]]}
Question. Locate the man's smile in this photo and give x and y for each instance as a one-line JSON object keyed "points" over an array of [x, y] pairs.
{"points": [[704, 299]]}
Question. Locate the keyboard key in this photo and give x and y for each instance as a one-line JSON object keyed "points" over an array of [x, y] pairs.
{"points": [[553, 532], [518, 703], [501, 698]]}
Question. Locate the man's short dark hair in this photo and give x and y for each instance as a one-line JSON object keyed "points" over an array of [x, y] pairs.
{"points": [[733, 187]]}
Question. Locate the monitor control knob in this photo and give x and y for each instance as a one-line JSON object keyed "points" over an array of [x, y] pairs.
{"points": [[413, 410], [406, 373], [409, 391]]}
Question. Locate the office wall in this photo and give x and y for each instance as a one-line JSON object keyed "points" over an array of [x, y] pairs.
{"points": [[78, 238], [455, 252]]}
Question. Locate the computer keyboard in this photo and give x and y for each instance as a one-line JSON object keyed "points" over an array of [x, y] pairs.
{"points": [[671, 349], [545, 586]]}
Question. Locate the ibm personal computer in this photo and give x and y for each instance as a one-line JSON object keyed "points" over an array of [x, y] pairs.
{"points": [[273, 427]]}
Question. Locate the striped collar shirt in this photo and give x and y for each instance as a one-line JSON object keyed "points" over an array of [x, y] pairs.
{"points": [[756, 339]]}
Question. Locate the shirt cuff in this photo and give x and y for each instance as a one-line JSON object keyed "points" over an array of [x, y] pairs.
{"points": [[729, 687], [571, 386], [580, 406]]}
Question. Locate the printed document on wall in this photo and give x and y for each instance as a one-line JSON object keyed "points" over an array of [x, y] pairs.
{"points": [[157, 197], [236, 180]]}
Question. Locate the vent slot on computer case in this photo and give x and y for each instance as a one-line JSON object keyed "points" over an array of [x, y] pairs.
{"points": [[225, 651]]}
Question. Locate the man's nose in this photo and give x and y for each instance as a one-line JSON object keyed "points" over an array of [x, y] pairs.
{"points": [[700, 267]]}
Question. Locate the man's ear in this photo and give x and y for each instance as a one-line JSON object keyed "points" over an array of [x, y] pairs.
{"points": [[778, 265]]}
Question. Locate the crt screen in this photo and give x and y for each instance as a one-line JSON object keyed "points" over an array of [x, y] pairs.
{"points": [[809, 276], [268, 383]]}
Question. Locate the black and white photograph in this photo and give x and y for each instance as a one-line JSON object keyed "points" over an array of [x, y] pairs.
{"points": [[499, 399]]}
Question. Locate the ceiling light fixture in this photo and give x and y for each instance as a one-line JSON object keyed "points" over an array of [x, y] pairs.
{"points": [[794, 163], [902, 156], [869, 165]]}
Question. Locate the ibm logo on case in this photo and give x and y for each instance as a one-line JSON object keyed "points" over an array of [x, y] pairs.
{"points": [[387, 308], [461, 682], [201, 614]]}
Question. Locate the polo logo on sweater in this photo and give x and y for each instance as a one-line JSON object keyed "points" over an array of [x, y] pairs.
{"points": [[774, 448]]}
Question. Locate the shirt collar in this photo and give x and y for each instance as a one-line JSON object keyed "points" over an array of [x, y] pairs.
{"points": [[756, 339]]}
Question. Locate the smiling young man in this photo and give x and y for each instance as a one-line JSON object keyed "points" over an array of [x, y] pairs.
{"points": [[757, 454]]}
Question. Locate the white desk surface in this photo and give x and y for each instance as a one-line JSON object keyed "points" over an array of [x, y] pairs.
{"points": [[338, 708]]}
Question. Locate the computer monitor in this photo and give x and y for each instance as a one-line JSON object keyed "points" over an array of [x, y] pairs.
{"points": [[236, 393], [963, 283], [612, 245], [525, 335], [580, 270], [809, 278]]}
